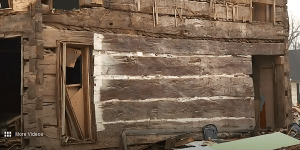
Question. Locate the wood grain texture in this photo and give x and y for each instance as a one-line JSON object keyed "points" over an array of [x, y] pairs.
{"points": [[173, 109], [50, 37], [189, 8], [111, 135], [126, 43], [175, 66], [166, 25], [176, 88], [47, 88], [48, 113]]}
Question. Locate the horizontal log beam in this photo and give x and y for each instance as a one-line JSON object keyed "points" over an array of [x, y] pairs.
{"points": [[124, 43], [173, 109], [187, 27], [111, 134], [137, 89], [171, 66]]}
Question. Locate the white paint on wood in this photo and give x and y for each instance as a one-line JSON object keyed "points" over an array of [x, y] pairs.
{"points": [[181, 120], [125, 77], [294, 93], [141, 54], [182, 99], [98, 80], [98, 41]]}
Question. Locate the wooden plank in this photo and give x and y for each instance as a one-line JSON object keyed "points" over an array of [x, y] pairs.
{"points": [[175, 88], [86, 91], [48, 69], [16, 23], [50, 37], [32, 90], [90, 3], [46, 99], [77, 102], [186, 28], [63, 101], [39, 103], [73, 119], [22, 5], [187, 8], [184, 141], [176, 66], [123, 43], [49, 59], [48, 86], [267, 95], [170, 143], [39, 127], [280, 95], [39, 77], [72, 55], [10, 121], [173, 109], [72, 91], [110, 137], [33, 65]]}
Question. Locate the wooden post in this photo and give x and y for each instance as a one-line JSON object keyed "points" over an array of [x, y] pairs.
{"points": [[251, 9], [86, 91], [274, 12], [63, 107]]}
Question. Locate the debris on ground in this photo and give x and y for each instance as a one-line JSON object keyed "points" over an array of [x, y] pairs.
{"points": [[9, 142]]}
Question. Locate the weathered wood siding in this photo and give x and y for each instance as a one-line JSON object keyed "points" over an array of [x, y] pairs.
{"points": [[159, 84]]}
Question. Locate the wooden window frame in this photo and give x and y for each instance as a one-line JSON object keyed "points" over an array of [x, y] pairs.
{"points": [[10, 5], [86, 83], [270, 4]]}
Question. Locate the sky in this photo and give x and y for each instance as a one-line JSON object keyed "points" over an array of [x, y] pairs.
{"points": [[294, 7]]}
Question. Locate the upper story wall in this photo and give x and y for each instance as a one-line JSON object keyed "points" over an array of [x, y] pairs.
{"points": [[215, 19], [181, 19]]}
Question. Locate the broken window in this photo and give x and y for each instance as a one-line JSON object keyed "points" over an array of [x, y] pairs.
{"points": [[5, 4], [75, 92], [262, 12], [66, 4]]}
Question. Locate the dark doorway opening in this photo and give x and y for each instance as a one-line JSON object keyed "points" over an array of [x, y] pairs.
{"points": [[66, 4], [10, 78]]}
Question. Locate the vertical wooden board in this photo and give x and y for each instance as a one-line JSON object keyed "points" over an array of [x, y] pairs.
{"points": [[39, 77], [39, 103], [32, 116], [32, 90], [39, 125], [72, 55], [280, 93], [40, 49], [72, 91], [86, 90], [78, 105], [267, 95], [32, 65], [49, 114]]}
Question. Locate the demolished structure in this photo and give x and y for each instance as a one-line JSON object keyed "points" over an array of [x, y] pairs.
{"points": [[111, 73]]}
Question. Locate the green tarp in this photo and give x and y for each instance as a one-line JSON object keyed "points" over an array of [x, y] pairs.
{"points": [[263, 142]]}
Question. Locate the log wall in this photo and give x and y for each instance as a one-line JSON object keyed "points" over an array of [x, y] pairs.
{"points": [[186, 67]]}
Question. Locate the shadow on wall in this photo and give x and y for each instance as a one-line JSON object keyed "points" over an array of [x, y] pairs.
{"points": [[66, 4]]}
